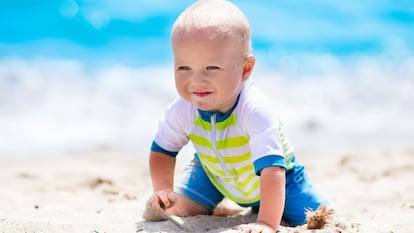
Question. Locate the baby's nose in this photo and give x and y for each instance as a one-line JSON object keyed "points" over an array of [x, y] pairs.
{"points": [[199, 78]]}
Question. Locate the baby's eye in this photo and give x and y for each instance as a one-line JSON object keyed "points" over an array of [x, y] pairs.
{"points": [[212, 68], [184, 68]]}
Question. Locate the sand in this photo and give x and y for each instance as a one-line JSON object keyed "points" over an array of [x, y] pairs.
{"points": [[106, 190]]}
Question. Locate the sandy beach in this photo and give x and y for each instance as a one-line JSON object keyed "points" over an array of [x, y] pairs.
{"points": [[84, 85], [106, 190]]}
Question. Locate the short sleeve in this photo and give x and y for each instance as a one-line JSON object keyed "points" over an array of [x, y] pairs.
{"points": [[172, 130], [261, 123]]}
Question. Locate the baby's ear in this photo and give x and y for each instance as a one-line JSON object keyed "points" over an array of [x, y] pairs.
{"points": [[248, 67]]}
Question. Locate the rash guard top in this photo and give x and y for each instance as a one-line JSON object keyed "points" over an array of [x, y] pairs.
{"points": [[233, 147]]}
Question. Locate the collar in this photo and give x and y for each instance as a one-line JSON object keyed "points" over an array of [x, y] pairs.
{"points": [[206, 115]]}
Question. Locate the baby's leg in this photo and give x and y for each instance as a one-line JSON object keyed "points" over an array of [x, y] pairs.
{"points": [[227, 208], [301, 195], [184, 207]]}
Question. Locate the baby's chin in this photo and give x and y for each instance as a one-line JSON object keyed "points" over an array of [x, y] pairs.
{"points": [[205, 108]]}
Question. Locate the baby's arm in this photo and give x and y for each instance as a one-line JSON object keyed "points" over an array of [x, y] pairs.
{"points": [[162, 176], [164, 201], [162, 168], [272, 201]]}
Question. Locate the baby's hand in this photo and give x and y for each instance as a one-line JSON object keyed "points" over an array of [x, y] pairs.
{"points": [[157, 204], [255, 227]]}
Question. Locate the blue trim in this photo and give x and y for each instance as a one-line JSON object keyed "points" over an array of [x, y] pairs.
{"points": [[220, 117], [157, 148], [256, 204], [268, 161]]}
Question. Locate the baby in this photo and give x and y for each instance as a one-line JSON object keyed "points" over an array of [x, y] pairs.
{"points": [[242, 152]]}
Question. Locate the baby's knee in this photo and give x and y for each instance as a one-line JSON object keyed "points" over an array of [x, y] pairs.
{"points": [[184, 207]]}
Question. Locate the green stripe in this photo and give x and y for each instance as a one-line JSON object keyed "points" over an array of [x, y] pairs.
{"points": [[201, 141], [230, 121], [289, 162], [237, 158], [219, 172], [244, 183], [249, 192], [203, 124], [289, 153], [214, 164], [209, 158], [228, 159], [245, 169], [227, 194], [232, 142]]}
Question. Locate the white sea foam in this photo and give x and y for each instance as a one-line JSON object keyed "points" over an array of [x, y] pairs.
{"points": [[49, 106]]}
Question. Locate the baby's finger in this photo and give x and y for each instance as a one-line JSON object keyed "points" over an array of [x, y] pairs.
{"points": [[255, 228], [166, 199]]}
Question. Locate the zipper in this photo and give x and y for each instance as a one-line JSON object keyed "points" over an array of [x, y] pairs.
{"points": [[216, 151]]}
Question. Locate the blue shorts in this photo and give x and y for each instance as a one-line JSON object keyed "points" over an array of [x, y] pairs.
{"points": [[301, 194]]}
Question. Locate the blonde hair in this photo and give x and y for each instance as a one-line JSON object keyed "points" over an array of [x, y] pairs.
{"points": [[223, 16]]}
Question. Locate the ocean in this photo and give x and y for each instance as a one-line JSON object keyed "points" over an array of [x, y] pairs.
{"points": [[87, 75]]}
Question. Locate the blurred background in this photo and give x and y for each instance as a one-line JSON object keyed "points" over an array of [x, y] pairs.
{"points": [[81, 75]]}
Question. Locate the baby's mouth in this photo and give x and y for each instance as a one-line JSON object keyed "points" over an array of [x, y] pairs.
{"points": [[201, 93]]}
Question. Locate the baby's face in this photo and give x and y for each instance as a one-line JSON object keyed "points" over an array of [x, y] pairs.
{"points": [[208, 69]]}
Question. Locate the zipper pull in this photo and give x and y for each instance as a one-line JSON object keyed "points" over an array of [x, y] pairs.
{"points": [[213, 118]]}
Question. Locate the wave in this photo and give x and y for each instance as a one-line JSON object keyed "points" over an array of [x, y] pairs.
{"points": [[59, 106]]}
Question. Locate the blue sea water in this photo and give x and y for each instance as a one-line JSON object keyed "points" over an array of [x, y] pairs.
{"points": [[78, 75]]}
